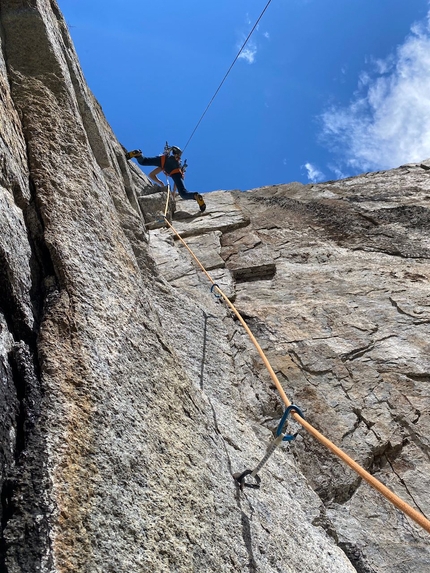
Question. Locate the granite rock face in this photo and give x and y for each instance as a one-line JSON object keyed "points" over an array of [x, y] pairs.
{"points": [[333, 280], [130, 395]]}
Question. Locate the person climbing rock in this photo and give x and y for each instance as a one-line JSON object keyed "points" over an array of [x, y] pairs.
{"points": [[170, 163]]}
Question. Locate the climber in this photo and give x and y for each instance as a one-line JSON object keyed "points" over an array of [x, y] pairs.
{"points": [[170, 163]]}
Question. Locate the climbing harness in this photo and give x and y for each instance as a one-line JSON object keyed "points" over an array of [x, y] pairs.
{"points": [[228, 71], [280, 437], [415, 515], [168, 149]]}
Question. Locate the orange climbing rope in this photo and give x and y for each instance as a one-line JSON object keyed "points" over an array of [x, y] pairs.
{"points": [[376, 484]]}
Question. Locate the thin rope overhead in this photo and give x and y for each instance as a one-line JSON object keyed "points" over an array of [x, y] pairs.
{"points": [[228, 71]]}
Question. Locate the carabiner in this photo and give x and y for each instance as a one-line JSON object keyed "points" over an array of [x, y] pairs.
{"points": [[292, 408]]}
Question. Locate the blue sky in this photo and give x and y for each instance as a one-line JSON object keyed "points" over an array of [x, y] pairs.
{"points": [[325, 89]]}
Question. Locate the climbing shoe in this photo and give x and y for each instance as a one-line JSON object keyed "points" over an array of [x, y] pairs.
{"points": [[134, 153], [200, 201]]}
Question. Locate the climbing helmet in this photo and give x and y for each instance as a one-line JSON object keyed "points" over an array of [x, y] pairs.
{"points": [[176, 150]]}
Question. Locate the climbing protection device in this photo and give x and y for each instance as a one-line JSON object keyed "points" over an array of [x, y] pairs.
{"points": [[280, 437], [415, 515]]}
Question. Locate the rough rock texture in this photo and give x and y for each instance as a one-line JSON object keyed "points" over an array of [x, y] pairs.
{"points": [[129, 395], [333, 279]]}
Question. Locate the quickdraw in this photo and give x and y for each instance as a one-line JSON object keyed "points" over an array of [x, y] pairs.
{"points": [[280, 437]]}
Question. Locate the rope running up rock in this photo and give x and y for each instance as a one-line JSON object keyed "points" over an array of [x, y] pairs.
{"points": [[376, 484]]}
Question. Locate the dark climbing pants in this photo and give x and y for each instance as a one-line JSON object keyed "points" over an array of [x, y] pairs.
{"points": [[177, 178]]}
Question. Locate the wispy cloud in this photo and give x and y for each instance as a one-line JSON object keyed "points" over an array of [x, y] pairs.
{"points": [[387, 122], [339, 174], [249, 52], [313, 173]]}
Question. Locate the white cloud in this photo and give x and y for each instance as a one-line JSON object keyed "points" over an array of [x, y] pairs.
{"points": [[364, 79], [249, 52], [337, 171], [388, 121], [383, 66], [313, 173]]}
